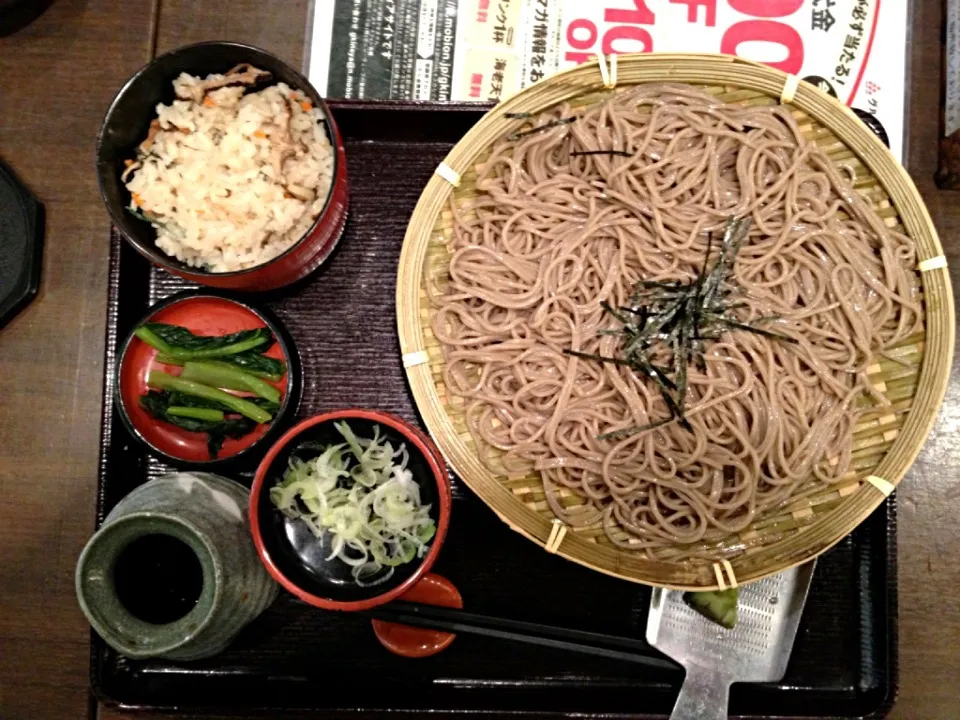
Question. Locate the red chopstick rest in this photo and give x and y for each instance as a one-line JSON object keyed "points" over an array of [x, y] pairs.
{"points": [[415, 642]]}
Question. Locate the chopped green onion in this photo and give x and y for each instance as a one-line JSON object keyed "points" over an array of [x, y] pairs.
{"points": [[361, 494]]}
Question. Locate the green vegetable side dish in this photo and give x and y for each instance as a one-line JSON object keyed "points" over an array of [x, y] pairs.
{"points": [[180, 343], [164, 381], [225, 375], [720, 606], [361, 493], [261, 366], [196, 413], [160, 405], [196, 400]]}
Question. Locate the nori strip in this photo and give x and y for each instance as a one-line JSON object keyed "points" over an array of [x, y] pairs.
{"points": [[542, 128], [621, 153], [681, 316]]}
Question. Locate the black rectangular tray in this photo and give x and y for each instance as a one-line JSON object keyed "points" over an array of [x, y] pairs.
{"points": [[844, 662]]}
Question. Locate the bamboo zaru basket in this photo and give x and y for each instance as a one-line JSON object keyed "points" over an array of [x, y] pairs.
{"points": [[913, 376]]}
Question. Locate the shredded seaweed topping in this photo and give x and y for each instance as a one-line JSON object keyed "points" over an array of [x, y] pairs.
{"points": [[622, 153], [681, 317]]}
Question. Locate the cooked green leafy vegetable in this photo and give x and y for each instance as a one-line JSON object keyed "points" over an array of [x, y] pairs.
{"points": [[720, 606], [196, 413], [260, 365], [252, 362], [180, 343], [243, 406], [151, 338], [224, 375], [192, 401], [170, 407]]}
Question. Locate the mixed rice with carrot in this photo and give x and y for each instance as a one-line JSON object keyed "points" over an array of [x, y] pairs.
{"points": [[231, 178]]}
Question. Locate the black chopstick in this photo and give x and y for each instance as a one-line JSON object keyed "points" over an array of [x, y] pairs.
{"points": [[433, 617]]}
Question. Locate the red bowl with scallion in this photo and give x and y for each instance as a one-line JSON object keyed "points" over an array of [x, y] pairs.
{"points": [[349, 509], [207, 381]]}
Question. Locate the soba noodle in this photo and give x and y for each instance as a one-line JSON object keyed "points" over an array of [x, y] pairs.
{"points": [[551, 233]]}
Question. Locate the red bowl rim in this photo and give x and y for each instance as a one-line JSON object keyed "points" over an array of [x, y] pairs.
{"points": [[432, 455]]}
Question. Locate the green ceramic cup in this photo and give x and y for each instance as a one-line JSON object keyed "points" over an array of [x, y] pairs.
{"points": [[208, 514]]}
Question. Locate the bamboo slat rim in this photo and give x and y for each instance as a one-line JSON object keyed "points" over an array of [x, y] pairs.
{"points": [[856, 503]]}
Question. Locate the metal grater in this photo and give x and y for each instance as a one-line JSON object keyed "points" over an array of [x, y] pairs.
{"points": [[756, 650]]}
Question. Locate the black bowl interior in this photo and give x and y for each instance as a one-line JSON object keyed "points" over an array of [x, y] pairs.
{"points": [[300, 555], [128, 120], [249, 457]]}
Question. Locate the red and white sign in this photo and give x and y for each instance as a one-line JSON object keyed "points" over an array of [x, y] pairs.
{"points": [[855, 49], [832, 39]]}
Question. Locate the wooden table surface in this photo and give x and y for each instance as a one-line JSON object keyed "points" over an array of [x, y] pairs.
{"points": [[56, 79]]}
